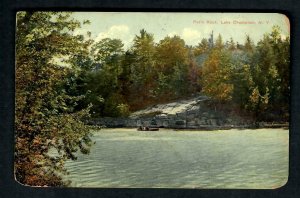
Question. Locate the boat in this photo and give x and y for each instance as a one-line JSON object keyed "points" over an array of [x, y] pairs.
{"points": [[147, 129]]}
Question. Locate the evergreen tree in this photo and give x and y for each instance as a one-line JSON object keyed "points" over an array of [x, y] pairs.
{"points": [[142, 70]]}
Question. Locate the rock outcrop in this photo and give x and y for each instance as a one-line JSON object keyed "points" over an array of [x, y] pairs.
{"points": [[194, 113]]}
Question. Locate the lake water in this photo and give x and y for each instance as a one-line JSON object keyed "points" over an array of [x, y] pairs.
{"points": [[126, 158]]}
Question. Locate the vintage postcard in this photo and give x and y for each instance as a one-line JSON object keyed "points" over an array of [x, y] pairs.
{"points": [[152, 100]]}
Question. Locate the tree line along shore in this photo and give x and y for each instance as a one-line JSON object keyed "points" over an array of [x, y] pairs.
{"points": [[64, 79]]}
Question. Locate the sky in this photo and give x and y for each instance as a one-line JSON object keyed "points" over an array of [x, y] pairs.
{"points": [[191, 27]]}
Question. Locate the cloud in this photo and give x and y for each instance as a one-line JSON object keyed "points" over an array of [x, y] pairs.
{"points": [[191, 35], [283, 37], [115, 32], [171, 34]]}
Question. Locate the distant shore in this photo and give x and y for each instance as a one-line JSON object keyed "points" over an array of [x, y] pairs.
{"points": [[213, 128], [260, 125]]}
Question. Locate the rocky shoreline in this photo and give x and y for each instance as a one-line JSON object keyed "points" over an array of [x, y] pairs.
{"points": [[194, 113], [125, 123]]}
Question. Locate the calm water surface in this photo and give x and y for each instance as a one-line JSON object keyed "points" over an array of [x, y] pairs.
{"points": [[183, 159]]}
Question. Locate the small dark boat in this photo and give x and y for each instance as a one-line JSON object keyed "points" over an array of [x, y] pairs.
{"points": [[147, 129], [153, 129]]}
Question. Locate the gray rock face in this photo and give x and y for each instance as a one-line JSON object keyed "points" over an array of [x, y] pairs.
{"points": [[192, 113]]}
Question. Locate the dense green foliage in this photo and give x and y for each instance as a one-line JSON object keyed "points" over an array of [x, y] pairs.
{"points": [[252, 78], [45, 115], [62, 77], [143, 75]]}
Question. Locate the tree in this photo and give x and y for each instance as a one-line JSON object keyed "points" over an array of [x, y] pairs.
{"points": [[232, 45], [270, 72], [281, 47], [106, 49], [103, 83], [202, 47], [241, 76], [172, 61], [142, 70], [216, 76], [249, 45], [219, 43], [194, 75], [45, 118]]}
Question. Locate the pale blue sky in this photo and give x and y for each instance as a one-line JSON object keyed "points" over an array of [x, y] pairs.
{"points": [[192, 27]]}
